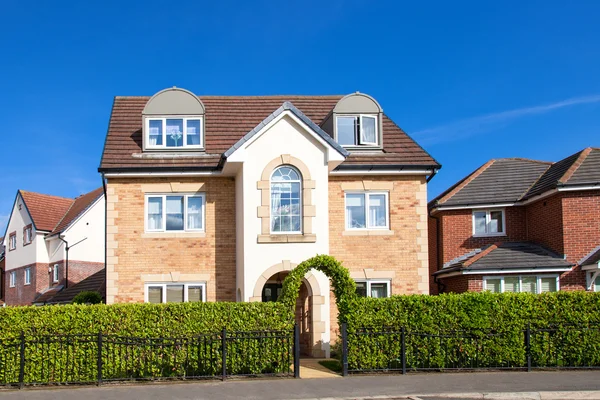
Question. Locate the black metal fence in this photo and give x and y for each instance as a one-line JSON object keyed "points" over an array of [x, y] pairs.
{"points": [[78, 359], [401, 350]]}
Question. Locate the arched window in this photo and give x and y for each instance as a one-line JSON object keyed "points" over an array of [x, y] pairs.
{"points": [[286, 207]]}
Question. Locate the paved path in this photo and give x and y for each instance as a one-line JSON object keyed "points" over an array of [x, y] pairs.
{"points": [[356, 387], [310, 368]]}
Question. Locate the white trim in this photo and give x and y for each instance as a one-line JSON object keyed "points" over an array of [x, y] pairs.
{"points": [[367, 194], [158, 174], [590, 278], [184, 134], [575, 188], [12, 279], [164, 196], [515, 271], [185, 285], [475, 207], [27, 276], [381, 172], [387, 282], [538, 283], [357, 135], [488, 219]]}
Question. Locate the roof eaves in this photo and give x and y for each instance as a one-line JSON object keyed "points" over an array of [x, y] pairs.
{"points": [[20, 193], [76, 218], [590, 255], [458, 186]]}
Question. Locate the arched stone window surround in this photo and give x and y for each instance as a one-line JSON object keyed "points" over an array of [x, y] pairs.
{"points": [[308, 209]]}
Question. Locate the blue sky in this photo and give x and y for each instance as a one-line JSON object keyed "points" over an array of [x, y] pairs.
{"points": [[469, 81]]}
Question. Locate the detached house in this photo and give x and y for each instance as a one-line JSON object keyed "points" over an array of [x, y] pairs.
{"points": [[518, 225], [217, 198], [52, 244]]}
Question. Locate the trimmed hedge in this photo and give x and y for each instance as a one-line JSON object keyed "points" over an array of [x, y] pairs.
{"points": [[133, 344], [482, 330], [87, 297]]}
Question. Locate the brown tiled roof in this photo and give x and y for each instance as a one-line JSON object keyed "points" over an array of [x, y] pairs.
{"points": [[227, 120], [55, 214], [78, 207], [45, 210]]}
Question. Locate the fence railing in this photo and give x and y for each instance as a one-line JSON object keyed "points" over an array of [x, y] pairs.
{"points": [[402, 350], [77, 359]]}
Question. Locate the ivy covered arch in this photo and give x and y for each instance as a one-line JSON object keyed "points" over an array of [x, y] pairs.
{"points": [[344, 287]]}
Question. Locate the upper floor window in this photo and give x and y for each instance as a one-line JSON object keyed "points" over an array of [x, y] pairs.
{"points": [[357, 130], [175, 293], [286, 210], [174, 213], [521, 284], [27, 235], [13, 279], [488, 223], [12, 241], [367, 210], [373, 288], [167, 133]]}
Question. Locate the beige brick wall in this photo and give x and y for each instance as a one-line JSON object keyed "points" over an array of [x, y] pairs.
{"points": [[131, 253], [402, 254]]}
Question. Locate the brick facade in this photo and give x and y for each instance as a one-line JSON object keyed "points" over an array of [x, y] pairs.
{"points": [[133, 255], [567, 223], [400, 254]]}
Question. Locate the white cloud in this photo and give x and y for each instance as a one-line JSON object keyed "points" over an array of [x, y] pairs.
{"points": [[476, 125]]}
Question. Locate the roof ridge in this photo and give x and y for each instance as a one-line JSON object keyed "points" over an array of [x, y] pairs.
{"points": [[484, 252], [447, 195], [47, 195], [575, 166], [526, 159], [266, 96]]}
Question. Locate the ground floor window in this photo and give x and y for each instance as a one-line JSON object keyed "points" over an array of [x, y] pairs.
{"points": [[597, 284], [175, 292], [373, 288], [521, 283], [13, 279], [28, 275]]}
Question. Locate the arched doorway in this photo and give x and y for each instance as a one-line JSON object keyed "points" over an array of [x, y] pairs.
{"points": [[304, 305]]}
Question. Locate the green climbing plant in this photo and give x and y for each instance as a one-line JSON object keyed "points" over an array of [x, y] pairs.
{"points": [[344, 287]]}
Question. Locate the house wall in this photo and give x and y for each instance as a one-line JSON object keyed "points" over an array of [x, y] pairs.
{"points": [[400, 254], [22, 294], [434, 262], [22, 255], [135, 257], [581, 215], [545, 223], [458, 238]]}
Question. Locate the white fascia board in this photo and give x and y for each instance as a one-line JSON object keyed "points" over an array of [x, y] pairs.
{"points": [[159, 174], [575, 188], [591, 267], [539, 197], [475, 206], [517, 271], [239, 155], [381, 172]]}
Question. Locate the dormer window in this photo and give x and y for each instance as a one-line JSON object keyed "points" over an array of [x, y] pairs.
{"points": [[357, 130], [174, 132], [174, 120]]}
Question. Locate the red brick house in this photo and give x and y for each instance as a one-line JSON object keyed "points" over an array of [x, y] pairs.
{"points": [[519, 225], [52, 244]]}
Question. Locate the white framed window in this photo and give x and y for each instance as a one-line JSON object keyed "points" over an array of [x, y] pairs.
{"points": [[286, 200], [28, 275], [489, 223], [12, 241], [27, 235], [174, 133], [373, 288], [55, 273], [174, 292], [367, 210], [175, 212], [357, 130], [521, 283], [13, 279]]}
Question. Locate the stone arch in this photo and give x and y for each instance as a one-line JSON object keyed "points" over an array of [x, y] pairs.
{"points": [[344, 287], [308, 209]]}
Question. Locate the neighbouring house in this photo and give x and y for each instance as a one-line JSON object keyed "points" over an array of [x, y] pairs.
{"points": [[216, 198], [2, 263], [52, 243], [519, 225]]}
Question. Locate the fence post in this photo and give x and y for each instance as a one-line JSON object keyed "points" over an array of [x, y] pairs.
{"points": [[224, 352], [296, 351], [403, 349], [344, 349], [528, 346], [99, 360], [22, 362]]}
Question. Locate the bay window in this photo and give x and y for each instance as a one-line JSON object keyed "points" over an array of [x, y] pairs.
{"points": [[521, 284], [167, 133], [488, 223], [175, 292], [367, 210], [174, 213]]}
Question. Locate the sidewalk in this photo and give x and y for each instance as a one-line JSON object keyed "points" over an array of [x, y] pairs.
{"points": [[424, 385]]}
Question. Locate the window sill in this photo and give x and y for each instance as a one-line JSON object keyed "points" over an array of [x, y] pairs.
{"points": [[172, 235], [307, 238], [368, 232], [490, 235]]}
